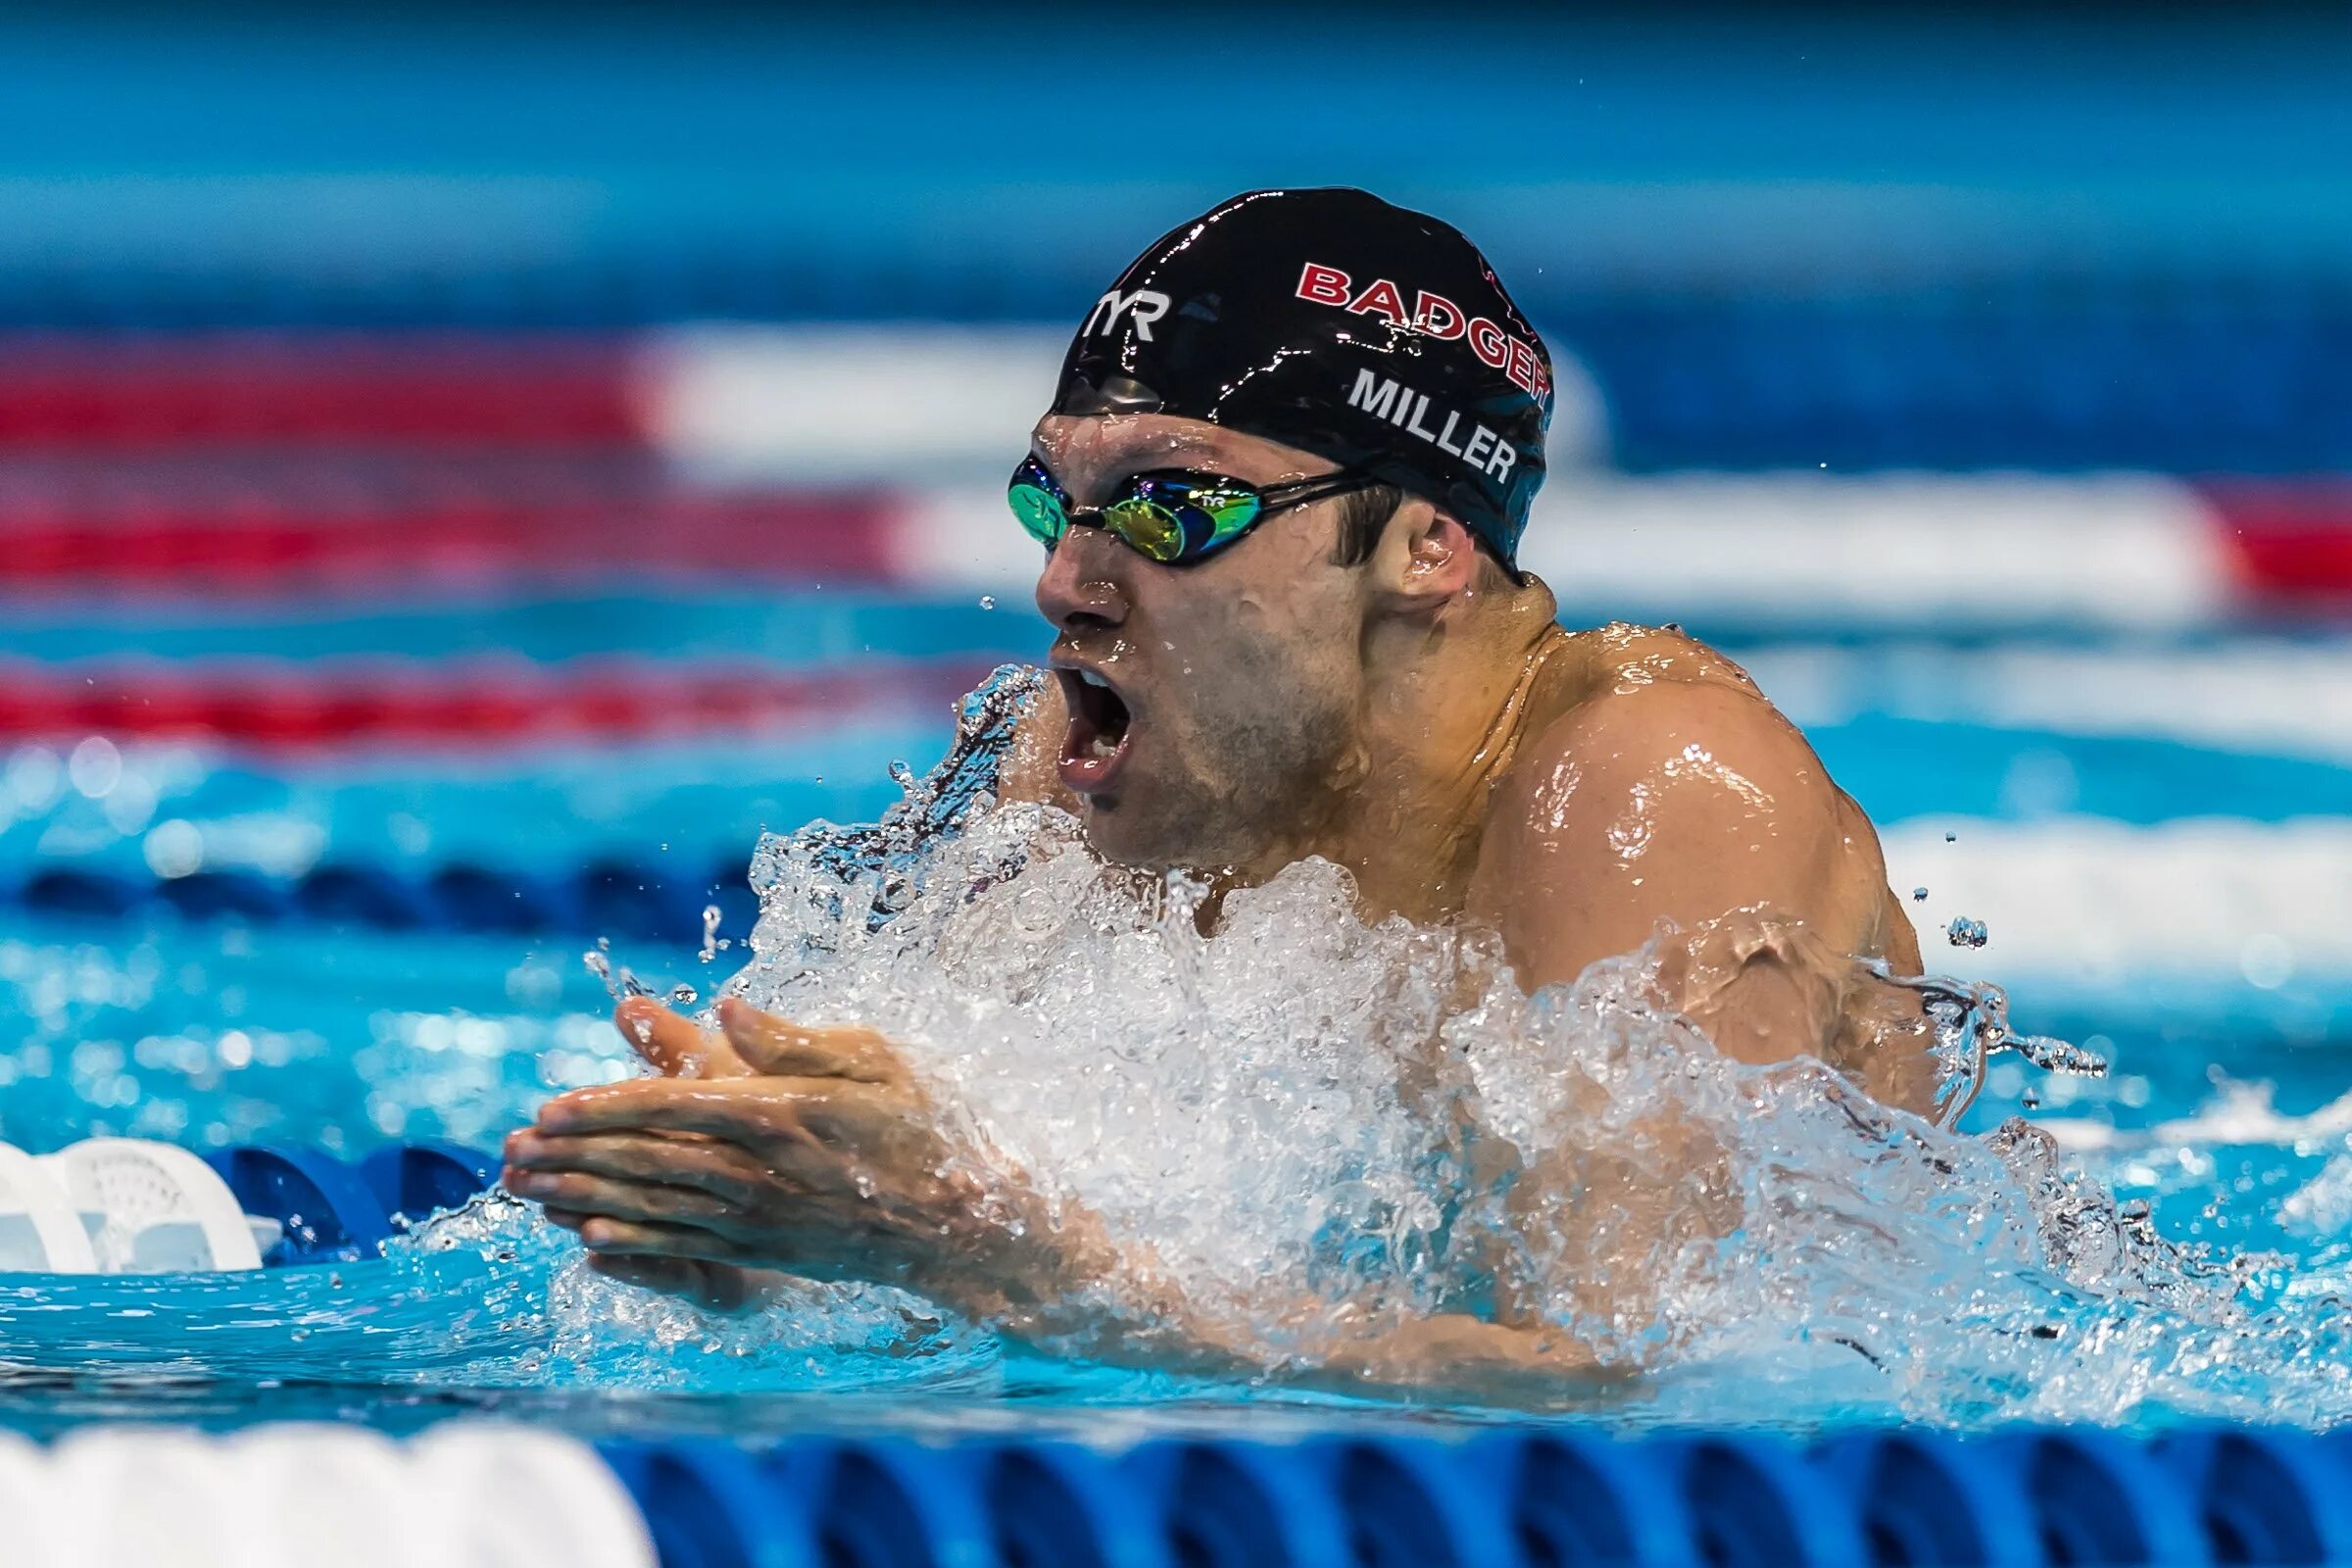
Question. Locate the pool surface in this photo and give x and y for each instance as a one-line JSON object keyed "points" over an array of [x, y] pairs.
{"points": [[456, 996]]}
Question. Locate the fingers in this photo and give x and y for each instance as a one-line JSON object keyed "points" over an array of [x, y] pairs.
{"points": [[674, 1045], [577, 1193], [713, 1287], [739, 1109], [769, 1044], [620, 1238], [725, 1169]]}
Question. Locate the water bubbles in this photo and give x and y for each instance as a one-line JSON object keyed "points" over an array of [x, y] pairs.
{"points": [[618, 983], [174, 848], [1963, 932], [31, 782], [2267, 961], [95, 767]]}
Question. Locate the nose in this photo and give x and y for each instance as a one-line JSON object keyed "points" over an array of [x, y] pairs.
{"points": [[1080, 587]]}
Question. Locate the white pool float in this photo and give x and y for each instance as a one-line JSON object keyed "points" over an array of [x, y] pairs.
{"points": [[39, 1524], [149, 1496], [318, 1493], [153, 1208], [522, 1497], [40, 1232]]}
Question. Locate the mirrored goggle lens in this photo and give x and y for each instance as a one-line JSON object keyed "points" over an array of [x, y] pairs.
{"points": [[1214, 515], [1148, 526], [1040, 511]]}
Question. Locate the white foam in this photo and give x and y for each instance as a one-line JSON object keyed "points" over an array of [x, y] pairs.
{"points": [[1262, 1110]]}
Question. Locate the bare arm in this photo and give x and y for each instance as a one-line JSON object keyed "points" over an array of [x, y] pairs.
{"points": [[1689, 802]]}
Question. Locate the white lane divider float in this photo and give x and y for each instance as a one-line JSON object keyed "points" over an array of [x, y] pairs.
{"points": [[122, 1206], [37, 1529], [148, 1494], [529, 1496], [296, 1496], [341, 1495], [40, 1230]]}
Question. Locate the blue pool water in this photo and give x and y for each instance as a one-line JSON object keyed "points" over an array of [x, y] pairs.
{"points": [[2221, 1127]]}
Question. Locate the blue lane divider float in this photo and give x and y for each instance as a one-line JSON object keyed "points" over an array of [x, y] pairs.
{"points": [[335, 1211], [1516, 1497], [327, 1213], [412, 1181], [606, 897]]}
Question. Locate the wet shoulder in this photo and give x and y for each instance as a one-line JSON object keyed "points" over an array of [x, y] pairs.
{"points": [[1640, 727], [1622, 658], [1624, 706]]}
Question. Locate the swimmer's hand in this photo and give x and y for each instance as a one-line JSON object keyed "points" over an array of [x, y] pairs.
{"points": [[770, 1145], [813, 1151]]}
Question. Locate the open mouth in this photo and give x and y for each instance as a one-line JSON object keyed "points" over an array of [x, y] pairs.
{"points": [[1099, 724]]}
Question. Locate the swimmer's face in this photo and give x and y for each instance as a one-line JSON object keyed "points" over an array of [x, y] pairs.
{"points": [[1235, 686]]}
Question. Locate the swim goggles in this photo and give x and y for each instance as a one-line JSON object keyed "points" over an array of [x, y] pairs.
{"points": [[1171, 516]]}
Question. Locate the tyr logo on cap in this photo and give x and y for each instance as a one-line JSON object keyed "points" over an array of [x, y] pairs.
{"points": [[1146, 304]]}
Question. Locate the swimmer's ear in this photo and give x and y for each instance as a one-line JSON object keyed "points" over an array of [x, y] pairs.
{"points": [[1426, 559]]}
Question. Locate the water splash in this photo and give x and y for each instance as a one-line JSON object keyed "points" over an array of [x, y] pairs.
{"points": [[621, 983], [559, 1323], [1314, 1126]]}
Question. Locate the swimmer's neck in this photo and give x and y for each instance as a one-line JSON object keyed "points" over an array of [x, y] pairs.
{"points": [[1446, 705]]}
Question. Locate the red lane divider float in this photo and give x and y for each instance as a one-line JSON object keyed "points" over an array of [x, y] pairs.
{"points": [[802, 538], [256, 388], [2291, 539], [468, 703]]}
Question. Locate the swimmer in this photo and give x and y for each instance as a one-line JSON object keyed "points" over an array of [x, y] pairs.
{"points": [[1279, 498]]}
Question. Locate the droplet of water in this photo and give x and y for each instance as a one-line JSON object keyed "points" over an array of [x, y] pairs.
{"points": [[620, 984], [988, 601], [684, 996], [710, 942], [1966, 933], [1919, 895]]}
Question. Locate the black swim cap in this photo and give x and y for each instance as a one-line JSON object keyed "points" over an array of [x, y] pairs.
{"points": [[1332, 321]]}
